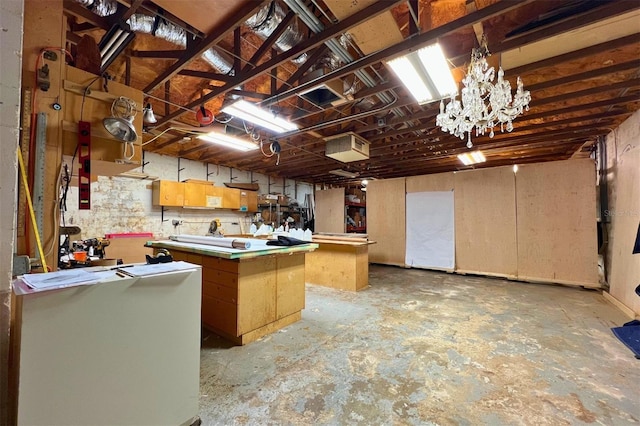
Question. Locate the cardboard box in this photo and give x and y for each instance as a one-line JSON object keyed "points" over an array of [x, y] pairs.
{"points": [[129, 247]]}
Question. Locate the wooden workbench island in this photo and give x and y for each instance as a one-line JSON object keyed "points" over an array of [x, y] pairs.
{"points": [[246, 294], [339, 264]]}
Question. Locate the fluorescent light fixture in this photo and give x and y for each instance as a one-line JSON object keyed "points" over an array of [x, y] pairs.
{"points": [[114, 42], [344, 173], [258, 116], [228, 141], [425, 73], [469, 158]]}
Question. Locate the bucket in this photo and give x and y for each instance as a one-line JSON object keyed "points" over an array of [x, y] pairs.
{"points": [[80, 256]]}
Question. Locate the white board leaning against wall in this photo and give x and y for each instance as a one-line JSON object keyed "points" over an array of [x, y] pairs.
{"points": [[430, 230]]}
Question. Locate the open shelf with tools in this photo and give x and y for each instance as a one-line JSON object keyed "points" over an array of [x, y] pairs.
{"points": [[355, 216], [276, 214]]}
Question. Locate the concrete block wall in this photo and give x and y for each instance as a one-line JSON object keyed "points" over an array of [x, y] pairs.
{"points": [[11, 12]]}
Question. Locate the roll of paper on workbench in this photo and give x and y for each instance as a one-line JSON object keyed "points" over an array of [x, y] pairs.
{"points": [[240, 244], [212, 241]]}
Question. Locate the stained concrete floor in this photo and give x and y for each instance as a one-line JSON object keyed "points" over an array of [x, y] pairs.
{"points": [[426, 348]]}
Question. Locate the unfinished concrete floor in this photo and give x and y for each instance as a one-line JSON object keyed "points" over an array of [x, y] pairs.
{"points": [[421, 347]]}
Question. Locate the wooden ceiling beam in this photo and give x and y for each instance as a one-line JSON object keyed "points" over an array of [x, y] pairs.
{"points": [[606, 10], [205, 75], [133, 8], [158, 54], [73, 37], [248, 94], [160, 145], [385, 148], [206, 43], [576, 54], [266, 45], [311, 61], [82, 27], [405, 162], [405, 46], [627, 84], [599, 72], [565, 80], [564, 97], [369, 12], [74, 9], [577, 108]]}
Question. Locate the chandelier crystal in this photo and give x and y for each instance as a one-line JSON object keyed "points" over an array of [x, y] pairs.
{"points": [[483, 105]]}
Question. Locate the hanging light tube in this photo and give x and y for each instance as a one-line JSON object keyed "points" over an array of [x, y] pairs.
{"points": [[114, 42], [258, 116], [228, 141]]}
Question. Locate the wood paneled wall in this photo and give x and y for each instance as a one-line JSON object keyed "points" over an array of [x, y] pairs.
{"points": [[435, 182], [330, 210], [386, 221], [485, 211], [622, 214], [556, 222], [538, 224]]}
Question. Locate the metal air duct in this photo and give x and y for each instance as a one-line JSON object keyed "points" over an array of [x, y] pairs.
{"points": [[219, 60], [100, 7], [265, 22]]}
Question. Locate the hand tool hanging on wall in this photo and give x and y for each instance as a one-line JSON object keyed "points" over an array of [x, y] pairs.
{"points": [[25, 184]]}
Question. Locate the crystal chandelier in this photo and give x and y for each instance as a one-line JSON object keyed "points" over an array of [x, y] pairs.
{"points": [[483, 105]]}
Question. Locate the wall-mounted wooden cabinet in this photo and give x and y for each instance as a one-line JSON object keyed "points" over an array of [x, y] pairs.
{"points": [[168, 193], [231, 198], [215, 197], [200, 194], [248, 201], [195, 194]]}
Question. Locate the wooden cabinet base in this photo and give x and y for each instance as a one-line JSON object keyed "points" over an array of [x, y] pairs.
{"points": [[343, 266], [258, 332], [248, 298]]}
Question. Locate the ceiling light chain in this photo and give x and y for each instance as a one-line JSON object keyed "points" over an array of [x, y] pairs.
{"points": [[460, 117]]}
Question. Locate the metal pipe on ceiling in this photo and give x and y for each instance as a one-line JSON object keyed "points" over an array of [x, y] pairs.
{"points": [[316, 26]]}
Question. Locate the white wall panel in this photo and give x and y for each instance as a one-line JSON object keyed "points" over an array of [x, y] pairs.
{"points": [[430, 230]]}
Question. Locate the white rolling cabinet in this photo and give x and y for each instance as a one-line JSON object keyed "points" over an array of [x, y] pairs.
{"points": [[123, 352]]}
